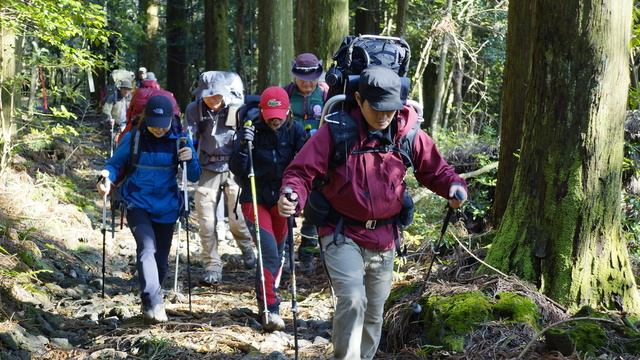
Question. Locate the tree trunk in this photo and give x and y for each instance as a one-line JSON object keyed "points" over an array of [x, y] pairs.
{"points": [[401, 18], [238, 48], [561, 227], [177, 81], [367, 19], [516, 78], [330, 27], [438, 101], [302, 19], [216, 37], [275, 42], [149, 53], [8, 89]]}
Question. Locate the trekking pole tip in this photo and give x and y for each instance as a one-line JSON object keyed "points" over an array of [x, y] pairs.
{"points": [[416, 308]]}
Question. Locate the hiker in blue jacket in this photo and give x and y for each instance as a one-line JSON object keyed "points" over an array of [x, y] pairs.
{"points": [[151, 194]]}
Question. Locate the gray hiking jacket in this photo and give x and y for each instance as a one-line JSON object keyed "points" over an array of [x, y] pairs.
{"points": [[213, 137]]}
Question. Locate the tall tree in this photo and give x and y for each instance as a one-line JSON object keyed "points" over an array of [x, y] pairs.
{"points": [[303, 16], [216, 36], [367, 19], [149, 54], [561, 227], [275, 42], [401, 18], [516, 78], [177, 81], [329, 28], [8, 87]]}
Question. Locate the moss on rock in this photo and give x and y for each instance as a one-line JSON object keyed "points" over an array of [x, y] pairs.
{"points": [[448, 320]]}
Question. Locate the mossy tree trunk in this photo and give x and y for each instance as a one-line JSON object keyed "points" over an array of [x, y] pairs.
{"points": [[330, 25], [516, 78], [216, 36], [275, 43], [561, 227]]}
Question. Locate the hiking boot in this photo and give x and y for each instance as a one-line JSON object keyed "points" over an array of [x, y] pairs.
{"points": [[154, 314], [249, 259], [307, 267], [273, 322], [211, 277]]}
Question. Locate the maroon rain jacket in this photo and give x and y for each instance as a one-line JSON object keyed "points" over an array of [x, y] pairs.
{"points": [[369, 186]]}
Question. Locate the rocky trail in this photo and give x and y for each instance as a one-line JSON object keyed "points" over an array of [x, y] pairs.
{"points": [[58, 311], [51, 303]]}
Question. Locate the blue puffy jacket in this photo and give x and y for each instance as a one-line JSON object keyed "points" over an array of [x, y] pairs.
{"points": [[152, 185]]}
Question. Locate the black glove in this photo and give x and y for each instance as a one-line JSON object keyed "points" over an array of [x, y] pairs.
{"points": [[248, 133]]}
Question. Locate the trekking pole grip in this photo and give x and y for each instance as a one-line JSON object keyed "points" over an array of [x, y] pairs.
{"points": [[287, 191], [460, 195]]}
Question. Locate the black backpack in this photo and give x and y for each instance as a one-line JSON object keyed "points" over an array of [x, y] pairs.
{"points": [[356, 53]]}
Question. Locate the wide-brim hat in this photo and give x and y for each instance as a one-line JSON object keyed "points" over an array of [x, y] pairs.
{"points": [[381, 86], [151, 76], [307, 67], [158, 111], [211, 83], [274, 103]]}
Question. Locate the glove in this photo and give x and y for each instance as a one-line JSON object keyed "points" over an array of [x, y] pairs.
{"points": [[248, 133]]}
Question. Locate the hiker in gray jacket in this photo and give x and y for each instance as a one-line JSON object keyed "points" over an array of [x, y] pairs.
{"points": [[206, 120]]}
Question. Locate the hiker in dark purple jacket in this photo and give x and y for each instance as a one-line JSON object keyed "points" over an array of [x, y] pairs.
{"points": [[365, 194]]}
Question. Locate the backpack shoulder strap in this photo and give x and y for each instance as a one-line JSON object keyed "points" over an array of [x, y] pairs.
{"points": [[289, 88], [134, 154], [325, 90], [405, 145], [344, 132]]}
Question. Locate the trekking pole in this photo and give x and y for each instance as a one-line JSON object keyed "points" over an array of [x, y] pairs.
{"points": [[111, 141], [175, 279], [254, 199], [294, 304], [105, 178], [185, 195], [460, 196]]}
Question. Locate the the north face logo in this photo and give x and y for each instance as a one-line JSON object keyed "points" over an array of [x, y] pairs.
{"points": [[158, 111], [274, 102]]}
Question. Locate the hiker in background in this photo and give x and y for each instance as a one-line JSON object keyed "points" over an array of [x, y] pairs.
{"points": [[115, 105], [276, 139], [150, 82], [151, 194], [206, 120], [141, 76], [363, 198], [307, 96]]}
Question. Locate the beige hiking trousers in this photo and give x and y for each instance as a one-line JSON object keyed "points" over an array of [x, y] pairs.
{"points": [[362, 282], [206, 199]]}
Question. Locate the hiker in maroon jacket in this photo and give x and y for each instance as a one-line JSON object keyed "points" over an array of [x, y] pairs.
{"points": [[365, 195]]}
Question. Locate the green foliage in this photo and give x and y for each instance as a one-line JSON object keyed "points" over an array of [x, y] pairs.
{"points": [[469, 152], [68, 26]]}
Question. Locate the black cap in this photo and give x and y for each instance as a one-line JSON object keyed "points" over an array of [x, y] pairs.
{"points": [[381, 87], [158, 111]]}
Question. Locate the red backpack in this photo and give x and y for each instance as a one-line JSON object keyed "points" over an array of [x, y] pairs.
{"points": [[138, 102]]}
